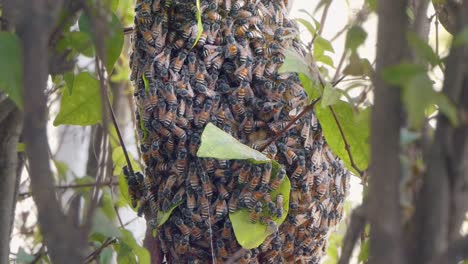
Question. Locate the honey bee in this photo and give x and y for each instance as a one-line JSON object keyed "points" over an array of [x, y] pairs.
{"points": [[221, 208], [143, 12], [204, 115], [231, 48], [290, 155], [204, 207], [234, 201], [206, 185], [237, 107], [274, 185], [255, 179], [169, 117], [147, 35], [213, 16], [244, 72], [211, 37], [226, 232], [222, 252], [179, 61], [163, 59], [222, 192], [254, 34], [300, 168], [191, 201], [255, 214], [272, 65], [244, 173], [238, 5]]}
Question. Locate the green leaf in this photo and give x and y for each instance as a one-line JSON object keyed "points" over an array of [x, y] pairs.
{"points": [[372, 4], [312, 30], [69, 78], [423, 49], [356, 37], [111, 4], [162, 217], [295, 63], [199, 24], [213, 145], [214, 142], [125, 253], [448, 108], [107, 206], [358, 66], [146, 83], [311, 88], [364, 253], [84, 106], [418, 95], [21, 147], [325, 59], [317, 24], [103, 225], [105, 257], [80, 42], [11, 67], [141, 252], [113, 39], [401, 74], [355, 128], [250, 235], [23, 257], [62, 169], [321, 45], [330, 96]]}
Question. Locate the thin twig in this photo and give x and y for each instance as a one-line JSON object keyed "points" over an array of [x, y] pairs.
{"points": [[347, 146], [98, 250], [127, 30], [236, 256], [356, 225], [73, 186], [291, 123], [437, 33], [340, 128]]}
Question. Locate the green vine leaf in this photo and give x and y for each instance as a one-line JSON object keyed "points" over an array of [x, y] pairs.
{"points": [[113, 39], [355, 128], [213, 145], [294, 62], [199, 23], [162, 217], [84, 106], [11, 75]]}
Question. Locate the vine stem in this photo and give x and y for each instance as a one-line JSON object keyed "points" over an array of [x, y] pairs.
{"points": [[340, 128], [347, 146], [291, 123], [73, 186], [96, 252]]}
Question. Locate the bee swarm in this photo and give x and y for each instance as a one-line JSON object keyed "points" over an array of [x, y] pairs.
{"points": [[229, 78]]}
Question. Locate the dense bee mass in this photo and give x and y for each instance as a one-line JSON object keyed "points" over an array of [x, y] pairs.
{"points": [[229, 78]]}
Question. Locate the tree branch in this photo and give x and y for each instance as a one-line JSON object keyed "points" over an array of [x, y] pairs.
{"points": [[10, 129], [433, 225], [455, 253], [356, 226], [34, 28], [384, 214]]}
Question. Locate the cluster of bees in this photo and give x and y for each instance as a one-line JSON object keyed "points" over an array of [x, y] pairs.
{"points": [[229, 77]]}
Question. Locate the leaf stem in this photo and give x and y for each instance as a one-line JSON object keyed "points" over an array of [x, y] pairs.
{"points": [[289, 125]]}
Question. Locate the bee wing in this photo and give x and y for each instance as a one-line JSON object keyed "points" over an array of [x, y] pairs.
{"points": [[190, 90]]}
